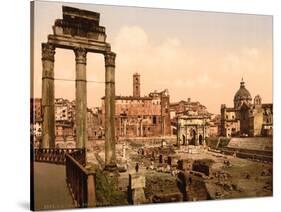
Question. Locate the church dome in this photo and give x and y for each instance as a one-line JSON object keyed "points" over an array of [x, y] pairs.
{"points": [[242, 95]]}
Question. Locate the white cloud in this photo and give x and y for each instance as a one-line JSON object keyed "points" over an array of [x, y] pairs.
{"points": [[167, 64], [242, 61]]}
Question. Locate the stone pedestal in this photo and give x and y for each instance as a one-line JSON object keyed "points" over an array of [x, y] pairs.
{"points": [[136, 186], [48, 96], [81, 98], [110, 157]]}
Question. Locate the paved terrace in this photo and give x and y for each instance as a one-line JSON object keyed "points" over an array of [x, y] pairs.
{"points": [[50, 189]]}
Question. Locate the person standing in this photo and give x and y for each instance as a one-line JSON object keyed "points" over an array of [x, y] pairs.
{"points": [[137, 167]]}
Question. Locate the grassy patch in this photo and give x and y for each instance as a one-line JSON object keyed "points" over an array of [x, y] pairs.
{"points": [[224, 142], [212, 141], [107, 193]]}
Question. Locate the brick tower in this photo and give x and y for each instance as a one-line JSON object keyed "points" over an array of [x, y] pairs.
{"points": [[136, 85]]}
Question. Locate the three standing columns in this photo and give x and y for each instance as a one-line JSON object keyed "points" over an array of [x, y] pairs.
{"points": [[81, 98], [48, 96], [48, 102], [110, 157]]}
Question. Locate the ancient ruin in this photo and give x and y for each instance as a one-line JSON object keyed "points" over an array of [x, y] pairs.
{"points": [[79, 30], [143, 148]]}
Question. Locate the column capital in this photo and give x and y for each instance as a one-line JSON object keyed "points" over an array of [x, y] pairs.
{"points": [[109, 58], [48, 52], [80, 54]]}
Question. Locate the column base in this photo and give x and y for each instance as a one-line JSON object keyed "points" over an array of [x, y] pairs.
{"points": [[111, 173], [111, 168]]}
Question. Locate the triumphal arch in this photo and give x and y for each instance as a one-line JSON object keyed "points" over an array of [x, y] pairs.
{"points": [[79, 30]]}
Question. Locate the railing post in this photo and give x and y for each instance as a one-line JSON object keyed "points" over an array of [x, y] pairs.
{"points": [[91, 191]]}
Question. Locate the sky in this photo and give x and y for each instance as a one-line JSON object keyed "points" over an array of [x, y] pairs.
{"points": [[201, 55]]}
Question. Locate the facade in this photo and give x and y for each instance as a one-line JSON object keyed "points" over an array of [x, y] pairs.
{"points": [[192, 110], [94, 126], [141, 116], [247, 117], [184, 107], [64, 110], [214, 127], [192, 129], [65, 128], [191, 122]]}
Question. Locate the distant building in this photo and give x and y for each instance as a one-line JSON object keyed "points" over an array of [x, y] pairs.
{"points": [[94, 125], [192, 129], [64, 110], [187, 107], [246, 118], [136, 85], [141, 116], [65, 131], [214, 127], [191, 122]]}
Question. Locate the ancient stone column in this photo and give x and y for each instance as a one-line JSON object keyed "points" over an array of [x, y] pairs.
{"points": [[197, 136], [137, 128], [125, 127], [204, 135], [48, 96], [141, 128], [163, 126], [81, 98], [178, 133], [110, 157]]}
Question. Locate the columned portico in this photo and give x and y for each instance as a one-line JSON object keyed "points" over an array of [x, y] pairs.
{"points": [[73, 33], [81, 98], [48, 96], [110, 157]]}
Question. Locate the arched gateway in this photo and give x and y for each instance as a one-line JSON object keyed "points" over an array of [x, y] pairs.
{"points": [[79, 30], [192, 130]]}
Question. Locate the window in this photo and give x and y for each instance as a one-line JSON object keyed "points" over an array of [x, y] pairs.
{"points": [[154, 119]]}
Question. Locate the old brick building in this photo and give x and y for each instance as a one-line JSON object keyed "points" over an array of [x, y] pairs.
{"points": [[142, 116], [246, 118], [65, 128], [183, 107]]}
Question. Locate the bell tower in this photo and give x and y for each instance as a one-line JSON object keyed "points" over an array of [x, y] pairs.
{"points": [[136, 85]]}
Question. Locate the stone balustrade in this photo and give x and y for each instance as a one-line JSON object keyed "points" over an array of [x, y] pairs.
{"points": [[80, 181], [56, 155]]}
